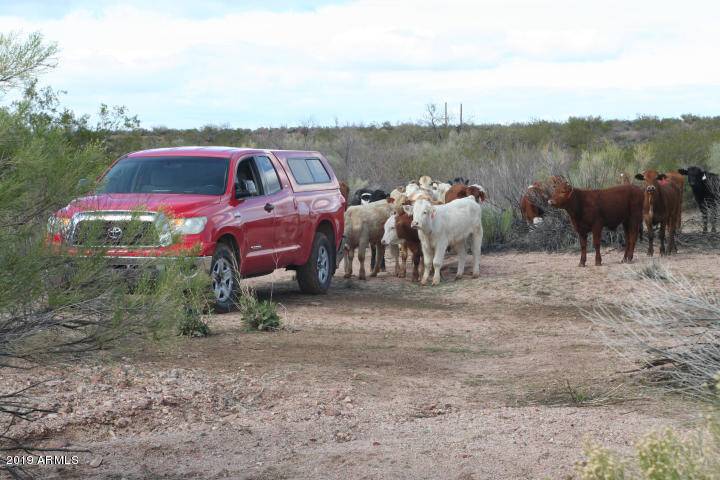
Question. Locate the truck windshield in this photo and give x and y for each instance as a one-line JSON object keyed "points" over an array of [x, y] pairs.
{"points": [[191, 175]]}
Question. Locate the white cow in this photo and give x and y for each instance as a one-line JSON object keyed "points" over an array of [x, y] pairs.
{"points": [[449, 224]]}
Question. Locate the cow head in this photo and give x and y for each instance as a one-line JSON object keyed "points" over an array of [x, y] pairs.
{"points": [[652, 179], [561, 192], [390, 236], [422, 213], [476, 191], [696, 175]]}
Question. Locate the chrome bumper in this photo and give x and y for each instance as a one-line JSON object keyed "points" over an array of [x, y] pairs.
{"points": [[203, 264]]}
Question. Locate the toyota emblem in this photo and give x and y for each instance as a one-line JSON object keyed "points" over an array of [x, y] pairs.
{"points": [[114, 233]]}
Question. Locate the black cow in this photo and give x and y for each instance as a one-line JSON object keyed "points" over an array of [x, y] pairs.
{"points": [[459, 180], [706, 189], [364, 195]]}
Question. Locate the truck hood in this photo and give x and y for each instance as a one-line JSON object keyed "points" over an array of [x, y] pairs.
{"points": [[173, 204]]}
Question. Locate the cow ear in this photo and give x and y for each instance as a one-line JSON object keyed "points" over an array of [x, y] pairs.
{"points": [[640, 176], [408, 209], [682, 171]]}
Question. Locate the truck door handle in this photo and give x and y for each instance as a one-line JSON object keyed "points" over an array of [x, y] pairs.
{"points": [[269, 207]]}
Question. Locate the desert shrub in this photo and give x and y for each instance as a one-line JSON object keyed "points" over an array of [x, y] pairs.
{"points": [[671, 322], [660, 455], [554, 234], [598, 168], [497, 226], [53, 303], [258, 314]]}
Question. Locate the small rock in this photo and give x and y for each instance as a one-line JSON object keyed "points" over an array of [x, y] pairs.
{"points": [[96, 462], [122, 422], [347, 400], [332, 412]]}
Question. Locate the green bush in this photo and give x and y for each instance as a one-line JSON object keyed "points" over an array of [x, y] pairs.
{"points": [[259, 315], [660, 455]]}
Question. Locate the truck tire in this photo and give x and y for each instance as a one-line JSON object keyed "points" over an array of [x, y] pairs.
{"points": [[315, 276], [225, 278]]}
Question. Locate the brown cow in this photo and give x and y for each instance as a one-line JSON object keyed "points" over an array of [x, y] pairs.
{"points": [[345, 192], [662, 203], [398, 229], [530, 202], [679, 180], [461, 191], [591, 210]]}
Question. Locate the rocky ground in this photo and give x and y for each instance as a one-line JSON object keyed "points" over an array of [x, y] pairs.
{"points": [[500, 377]]}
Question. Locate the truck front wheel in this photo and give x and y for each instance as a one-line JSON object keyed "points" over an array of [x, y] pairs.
{"points": [[315, 276], [225, 279]]}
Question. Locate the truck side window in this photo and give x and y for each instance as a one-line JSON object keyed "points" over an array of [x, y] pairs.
{"points": [[271, 182], [246, 171], [308, 170]]}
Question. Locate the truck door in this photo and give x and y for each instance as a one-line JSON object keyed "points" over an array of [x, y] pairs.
{"points": [[254, 219], [280, 196]]}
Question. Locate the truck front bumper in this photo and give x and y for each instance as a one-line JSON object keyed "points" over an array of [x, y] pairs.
{"points": [[198, 264]]}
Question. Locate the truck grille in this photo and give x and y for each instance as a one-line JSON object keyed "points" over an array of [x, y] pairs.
{"points": [[115, 230]]}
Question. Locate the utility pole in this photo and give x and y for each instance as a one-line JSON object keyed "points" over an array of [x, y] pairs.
{"points": [[460, 126]]}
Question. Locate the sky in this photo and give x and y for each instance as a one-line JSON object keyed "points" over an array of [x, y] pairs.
{"points": [[249, 64]]}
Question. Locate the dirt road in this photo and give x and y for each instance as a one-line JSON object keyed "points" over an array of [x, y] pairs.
{"points": [[499, 377]]}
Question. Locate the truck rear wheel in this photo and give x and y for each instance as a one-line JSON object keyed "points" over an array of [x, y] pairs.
{"points": [[225, 278], [315, 276]]}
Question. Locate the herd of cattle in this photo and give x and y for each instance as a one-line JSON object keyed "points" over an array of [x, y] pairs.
{"points": [[425, 217]]}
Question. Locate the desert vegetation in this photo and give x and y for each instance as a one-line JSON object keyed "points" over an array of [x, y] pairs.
{"points": [[56, 308]]}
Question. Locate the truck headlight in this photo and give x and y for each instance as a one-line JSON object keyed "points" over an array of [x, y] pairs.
{"points": [[188, 226], [58, 225]]}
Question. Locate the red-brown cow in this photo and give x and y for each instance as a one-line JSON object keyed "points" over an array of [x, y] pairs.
{"points": [[398, 230], [591, 210], [345, 192], [662, 203], [462, 191], [530, 202]]}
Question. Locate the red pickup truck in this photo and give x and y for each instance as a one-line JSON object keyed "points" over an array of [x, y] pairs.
{"points": [[253, 208]]}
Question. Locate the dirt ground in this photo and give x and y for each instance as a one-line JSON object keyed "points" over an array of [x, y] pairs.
{"points": [[495, 378]]}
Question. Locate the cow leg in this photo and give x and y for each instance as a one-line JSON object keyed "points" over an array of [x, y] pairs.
{"points": [[373, 258], [597, 237], [583, 248], [348, 259], [626, 234], [477, 251], [382, 261], [715, 213], [462, 253], [402, 268], [380, 249], [671, 248], [632, 237], [428, 255], [416, 266], [651, 238], [437, 260], [661, 234]]}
